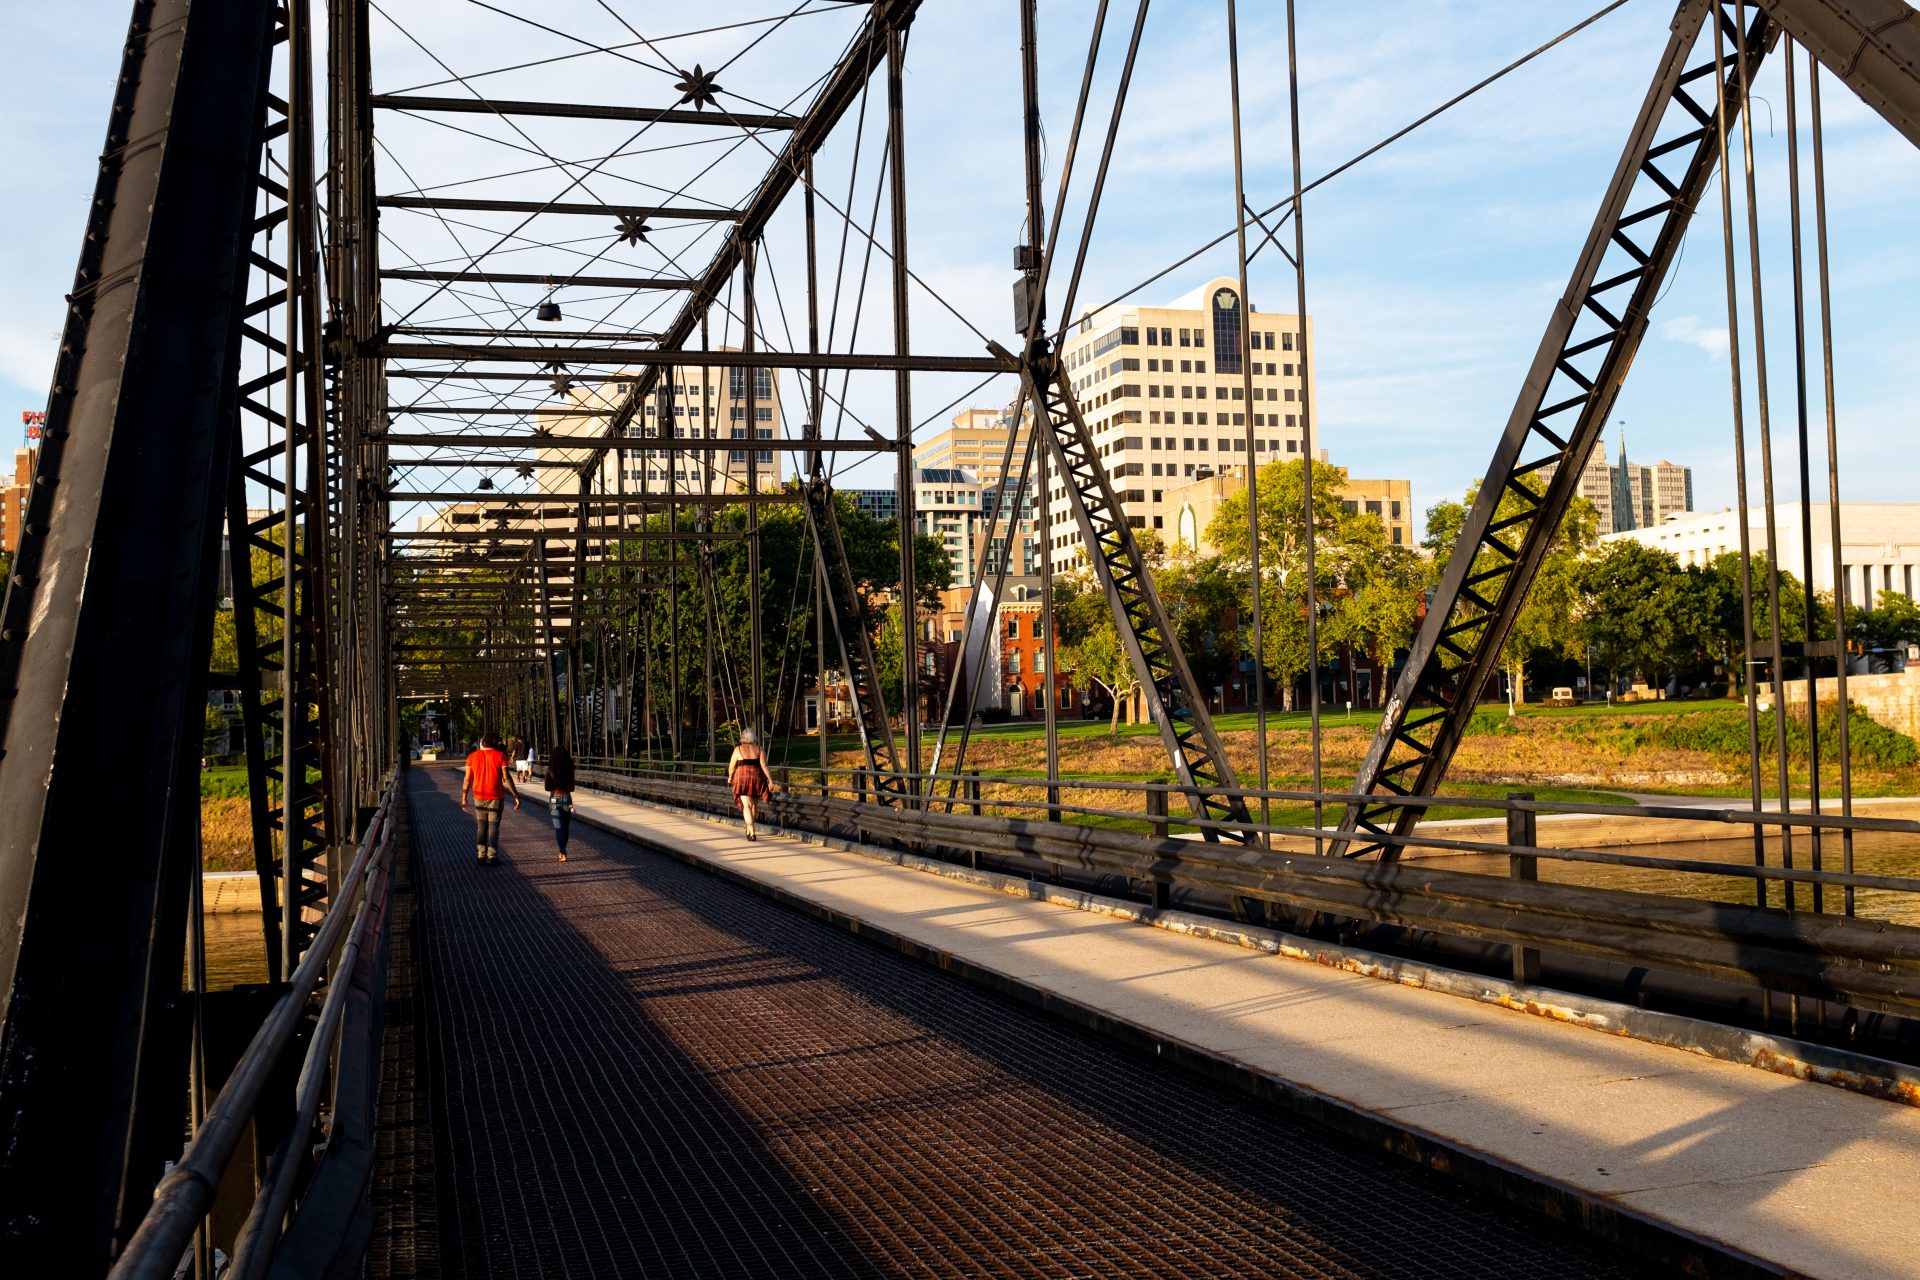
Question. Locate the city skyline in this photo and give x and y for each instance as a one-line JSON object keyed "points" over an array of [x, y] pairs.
{"points": [[1431, 268]]}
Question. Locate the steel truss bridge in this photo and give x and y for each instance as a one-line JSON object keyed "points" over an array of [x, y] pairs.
{"points": [[297, 321]]}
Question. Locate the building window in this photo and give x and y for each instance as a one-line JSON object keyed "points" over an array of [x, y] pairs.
{"points": [[1227, 331], [1013, 628], [1186, 338], [1153, 337], [1129, 337], [1166, 337], [1394, 506], [1286, 342], [762, 383], [763, 413]]}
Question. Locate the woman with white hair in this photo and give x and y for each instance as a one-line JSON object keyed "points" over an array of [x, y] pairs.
{"points": [[748, 778]]}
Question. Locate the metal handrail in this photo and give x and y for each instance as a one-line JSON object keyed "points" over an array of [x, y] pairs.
{"points": [[184, 1196], [1735, 871], [1869, 964], [1496, 804]]}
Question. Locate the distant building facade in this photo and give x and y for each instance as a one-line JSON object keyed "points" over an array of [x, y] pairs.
{"points": [[1196, 502], [1629, 495], [959, 509], [696, 403], [977, 442], [13, 499], [1163, 390], [881, 504], [1879, 544]]}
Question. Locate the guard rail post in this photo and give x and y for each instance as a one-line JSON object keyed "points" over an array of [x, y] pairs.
{"points": [[1161, 890], [1522, 832]]}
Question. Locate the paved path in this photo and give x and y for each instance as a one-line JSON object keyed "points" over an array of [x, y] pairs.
{"points": [[1808, 1177], [635, 1068]]}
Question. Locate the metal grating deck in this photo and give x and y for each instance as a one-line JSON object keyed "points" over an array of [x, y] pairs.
{"points": [[635, 1069]]}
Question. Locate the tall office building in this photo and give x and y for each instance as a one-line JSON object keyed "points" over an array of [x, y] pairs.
{"points": [[13, 501], [1630, 495], [1163, 390], [977, 441], [710, 403], [958, 508]]}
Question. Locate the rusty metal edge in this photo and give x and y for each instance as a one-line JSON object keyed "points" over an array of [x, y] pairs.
{"points": [[1643, 1234]]}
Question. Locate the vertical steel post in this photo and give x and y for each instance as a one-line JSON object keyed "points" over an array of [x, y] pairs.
{"points": [[754, 713], [1523, 832], [1306, 428], [1748, 691], [1763, 410], [903, 404], [1814, 835], [1833, 470]]}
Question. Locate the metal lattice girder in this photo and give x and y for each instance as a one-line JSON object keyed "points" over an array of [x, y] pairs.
{"points": [[850, 630], [104, 643], [284, 453], [1582, 361], [1199, 760]]}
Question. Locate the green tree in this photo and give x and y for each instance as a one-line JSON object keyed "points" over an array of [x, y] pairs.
{"points": [[1630, 617], [1892, 624], [1368, 589], [213, 739], [1547, 626]]}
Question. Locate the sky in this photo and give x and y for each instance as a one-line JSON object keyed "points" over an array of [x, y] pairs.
{"points": [[1431, 268]]}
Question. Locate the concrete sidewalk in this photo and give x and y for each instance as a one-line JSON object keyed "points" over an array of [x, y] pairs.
{"points": [[1801, 1178]]}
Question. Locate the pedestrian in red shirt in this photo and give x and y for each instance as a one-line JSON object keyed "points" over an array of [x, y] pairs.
{"points": [[489, 782]]}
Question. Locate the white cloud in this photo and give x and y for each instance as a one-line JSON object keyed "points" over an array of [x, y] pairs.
{"points": [[1688, 329]]}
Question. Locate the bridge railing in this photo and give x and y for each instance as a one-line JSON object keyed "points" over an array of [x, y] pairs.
{"points": [[1675, 914], [316, 1175]]}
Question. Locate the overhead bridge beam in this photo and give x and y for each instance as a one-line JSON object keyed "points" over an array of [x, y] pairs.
{"points": [[551, 280], [580, 111], [552, 335], [454, 204], [550, 535], [546, 354], [612, 504], [627, 444], [1871, 45]]}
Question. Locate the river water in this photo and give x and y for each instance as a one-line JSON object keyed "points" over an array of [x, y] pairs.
{"points": [[236, 950], [1883, 853]]}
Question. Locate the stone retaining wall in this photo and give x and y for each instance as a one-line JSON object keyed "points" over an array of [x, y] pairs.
{"points": [[1893, 700]]}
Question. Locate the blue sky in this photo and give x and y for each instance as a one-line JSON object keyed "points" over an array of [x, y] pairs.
{"points": [[1431, 268]]}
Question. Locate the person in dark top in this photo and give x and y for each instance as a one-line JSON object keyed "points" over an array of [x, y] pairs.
{"points": [[559, 782], [488, 782]]}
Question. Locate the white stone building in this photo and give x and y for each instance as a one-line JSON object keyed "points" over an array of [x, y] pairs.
{"points": [[1879, 544]]}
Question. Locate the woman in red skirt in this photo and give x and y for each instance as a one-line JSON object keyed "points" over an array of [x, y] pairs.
{"points": [[748, 778]]}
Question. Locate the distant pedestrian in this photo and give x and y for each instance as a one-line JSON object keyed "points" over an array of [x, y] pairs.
{"points": [[559, 783], [489, 783], [748, 778]]}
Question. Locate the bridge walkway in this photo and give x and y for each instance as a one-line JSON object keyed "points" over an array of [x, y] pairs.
{"points": [[626, 1066]]}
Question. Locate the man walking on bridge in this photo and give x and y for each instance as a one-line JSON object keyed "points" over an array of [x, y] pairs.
{"points": [[486, 779]]}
